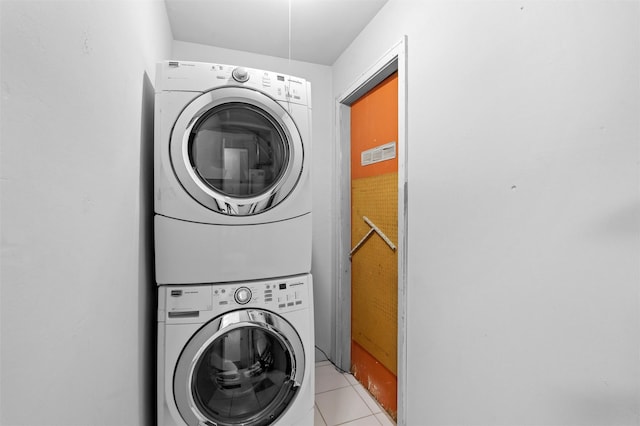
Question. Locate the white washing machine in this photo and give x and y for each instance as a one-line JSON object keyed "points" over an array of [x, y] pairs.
{"points": [[236, 354], [231, 174]]}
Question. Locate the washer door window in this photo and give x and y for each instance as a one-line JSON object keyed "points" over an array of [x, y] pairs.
{"points": [[236, 151], [243, 368]]}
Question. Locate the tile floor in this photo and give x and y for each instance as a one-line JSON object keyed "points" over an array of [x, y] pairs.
{"points": [[341, 400]]}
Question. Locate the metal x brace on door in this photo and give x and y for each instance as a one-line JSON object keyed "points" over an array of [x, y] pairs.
{"points": [[373, 229]]}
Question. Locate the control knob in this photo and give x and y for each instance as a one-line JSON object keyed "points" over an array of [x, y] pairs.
{"points": [[242, 295], [240, 74]]}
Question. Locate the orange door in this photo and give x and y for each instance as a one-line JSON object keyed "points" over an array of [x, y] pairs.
{"points": [[374, 266]]}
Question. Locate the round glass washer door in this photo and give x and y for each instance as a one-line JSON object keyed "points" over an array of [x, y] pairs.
{"points": [[242, 368], [236, 151]]}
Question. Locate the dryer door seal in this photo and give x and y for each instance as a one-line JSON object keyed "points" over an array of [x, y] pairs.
{"points": [[236, 151], [244, 367]]}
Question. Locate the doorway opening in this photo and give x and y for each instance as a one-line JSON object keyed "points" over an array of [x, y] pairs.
{"points": [[349, 344]]}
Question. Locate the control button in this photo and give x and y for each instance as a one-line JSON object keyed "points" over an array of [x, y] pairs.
{"points": [[243, 295], [223, 302], [240, 74], [282, 305], [298, 302], [282, 286], [268, 299], [176, 293], [290, 304]]}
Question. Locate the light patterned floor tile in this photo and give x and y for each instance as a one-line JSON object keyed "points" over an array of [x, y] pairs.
{"points": [[364, 421], [330, 382], [352, 380], [341, 405], [385, 420], [368, 399], [328, 378], [317, 418]]}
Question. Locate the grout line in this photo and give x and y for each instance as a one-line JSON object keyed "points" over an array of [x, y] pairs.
{"points": [[371, 413], [362, 399], [330, 390], [387, 416], [353, 420], [320, 412]]}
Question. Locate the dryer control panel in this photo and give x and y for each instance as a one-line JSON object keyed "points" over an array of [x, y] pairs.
{"points": [[195, 303], [202, 77]]}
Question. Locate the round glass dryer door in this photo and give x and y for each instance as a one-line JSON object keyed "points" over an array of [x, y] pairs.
{"points": [[243, 368], [236, 151]]}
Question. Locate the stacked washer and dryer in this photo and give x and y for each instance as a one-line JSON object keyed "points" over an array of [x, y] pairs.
{"points": [[233, 246]]}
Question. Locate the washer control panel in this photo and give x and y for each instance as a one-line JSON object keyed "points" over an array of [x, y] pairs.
{"points": [[242, 295], [276, 295], [195, 303], [240, 74]]}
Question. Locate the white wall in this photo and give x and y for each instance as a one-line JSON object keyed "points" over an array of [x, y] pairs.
{"points": [[77, 295], [322, 163], [524, 239]]}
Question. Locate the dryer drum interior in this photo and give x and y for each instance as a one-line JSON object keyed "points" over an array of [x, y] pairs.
{"points": [[247, 373], [238, 150]]}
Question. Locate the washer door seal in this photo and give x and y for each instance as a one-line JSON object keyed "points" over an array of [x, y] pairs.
{"points": [[242, 368], [218, 164]]}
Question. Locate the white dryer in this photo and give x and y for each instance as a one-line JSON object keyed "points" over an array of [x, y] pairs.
{"points": [[231, 174], [236, 354]]}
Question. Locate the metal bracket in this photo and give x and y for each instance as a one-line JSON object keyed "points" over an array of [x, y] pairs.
{"points": [[373, 229]]}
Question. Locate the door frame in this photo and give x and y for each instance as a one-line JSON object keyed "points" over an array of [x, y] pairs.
{"points": [[395, 59]]}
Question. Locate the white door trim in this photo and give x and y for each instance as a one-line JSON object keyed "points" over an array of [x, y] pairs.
{"points": [[395, 59]]}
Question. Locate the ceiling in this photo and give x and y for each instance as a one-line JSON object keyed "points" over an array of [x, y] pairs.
{"points": [[320, 30]]}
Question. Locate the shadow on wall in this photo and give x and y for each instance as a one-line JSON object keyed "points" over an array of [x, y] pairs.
{"points": [[604, 406], [146, 280]]}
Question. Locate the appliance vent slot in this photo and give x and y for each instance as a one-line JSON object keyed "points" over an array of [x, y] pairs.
{"points": [[184, 314]]}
